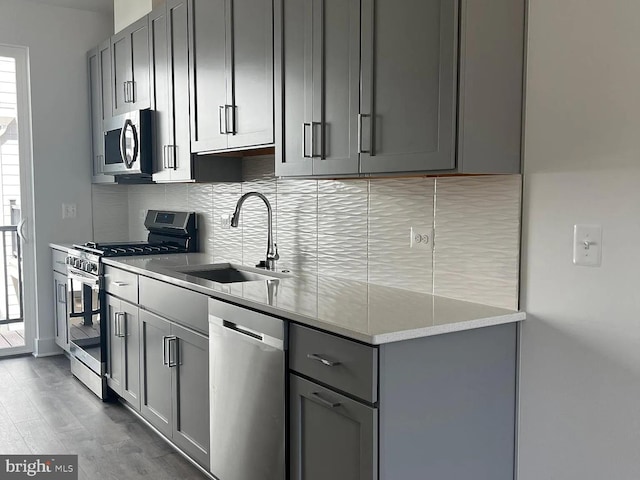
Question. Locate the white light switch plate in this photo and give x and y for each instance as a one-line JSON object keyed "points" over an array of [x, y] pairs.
{"points": [[587, 245]]}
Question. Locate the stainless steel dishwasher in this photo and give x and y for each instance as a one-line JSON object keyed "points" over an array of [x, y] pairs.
{"points": [[247, 393]]}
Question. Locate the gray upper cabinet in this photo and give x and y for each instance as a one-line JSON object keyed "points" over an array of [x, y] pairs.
{"points": [[99, 74], [130, 68], [319, 64], [370, 87], [407, 116], [231, 69], [169, 29]]}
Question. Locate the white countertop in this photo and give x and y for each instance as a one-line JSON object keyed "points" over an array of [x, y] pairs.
{"points": [[361, 311]]}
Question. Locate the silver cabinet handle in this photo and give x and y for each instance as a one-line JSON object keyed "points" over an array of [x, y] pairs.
{"points": [[126, 92], [62, 293], [322, 360], [223, 119], [165, 350], [164, 156], [173, 341], [231, 131], [172, 156], [360, 148], [316, 396], [304, 140], [120, 324], [169, 360], [116, 324], [120, 284]]}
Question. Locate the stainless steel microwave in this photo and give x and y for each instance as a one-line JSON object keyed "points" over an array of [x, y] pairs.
{"points": [[128, 144]]}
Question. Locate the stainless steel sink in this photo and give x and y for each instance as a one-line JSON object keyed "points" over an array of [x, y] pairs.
{"points": [[229, 273]]}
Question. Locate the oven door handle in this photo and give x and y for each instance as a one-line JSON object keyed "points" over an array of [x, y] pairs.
{"points": [[91, 281]]}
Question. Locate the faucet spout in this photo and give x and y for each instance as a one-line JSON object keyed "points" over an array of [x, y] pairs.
{"points": [[272, 248]]}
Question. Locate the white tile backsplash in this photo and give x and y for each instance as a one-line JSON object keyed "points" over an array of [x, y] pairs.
{"points": [[355, 229]]}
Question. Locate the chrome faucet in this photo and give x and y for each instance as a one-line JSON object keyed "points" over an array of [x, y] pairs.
{"points": [[272, 248]]}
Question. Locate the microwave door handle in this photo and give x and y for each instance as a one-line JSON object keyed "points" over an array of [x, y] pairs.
{"points": [[123, 153], [136, 146]]}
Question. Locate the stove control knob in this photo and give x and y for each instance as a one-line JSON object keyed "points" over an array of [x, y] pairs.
{"points": [[68, 260], [94, 268], [89, 267]]}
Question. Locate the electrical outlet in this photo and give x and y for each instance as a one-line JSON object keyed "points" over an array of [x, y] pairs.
{"points": [[421, 237], [69, 210], [225, 221]]}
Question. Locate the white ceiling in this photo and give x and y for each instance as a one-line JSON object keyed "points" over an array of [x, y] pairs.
{"points": [[103, 6]]}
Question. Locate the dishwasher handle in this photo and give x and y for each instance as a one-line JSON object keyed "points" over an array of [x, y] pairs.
{"points": [[247, 333]]}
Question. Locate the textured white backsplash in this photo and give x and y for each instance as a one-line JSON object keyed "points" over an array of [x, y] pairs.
{"points": [[355, 229]]}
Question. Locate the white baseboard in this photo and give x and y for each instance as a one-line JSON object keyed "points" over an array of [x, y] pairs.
{"points": [[46, 347]]}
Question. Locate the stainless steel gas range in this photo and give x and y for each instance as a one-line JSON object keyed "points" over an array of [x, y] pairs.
{"points": [[169, 232]]}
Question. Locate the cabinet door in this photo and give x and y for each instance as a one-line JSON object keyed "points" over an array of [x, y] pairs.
{"points": [[251, 94], [106, 104], [121, 71], [208, 75], [155, 373], [130, 51], [178, 30], [336, 87], [331, 435], [95, 90], [162, 117], [114, 344], [60, 310], [409, 52], [140, 63], [293, 77], [130, 354], [191, 394]]}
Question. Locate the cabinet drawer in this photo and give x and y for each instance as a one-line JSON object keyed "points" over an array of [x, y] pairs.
{"points": [[59, 261], [175, 303], [121, 284], [340, 363]]}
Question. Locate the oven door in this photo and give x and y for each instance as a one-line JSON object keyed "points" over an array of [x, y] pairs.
{"points": [[85, 326]]}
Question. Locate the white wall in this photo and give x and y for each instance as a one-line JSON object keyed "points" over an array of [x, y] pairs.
{"points": [[580, 383], [58, 39], [125, 12]]}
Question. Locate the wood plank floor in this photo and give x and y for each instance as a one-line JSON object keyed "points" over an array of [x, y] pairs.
{"points": [[12, 339], [44, 409]]}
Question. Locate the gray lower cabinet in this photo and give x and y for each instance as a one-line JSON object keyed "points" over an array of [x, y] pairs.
{"points": [[60, 310], [231, 70], [444, 409], [130, 68], [175, 383], [123, 346], [331, 435]]}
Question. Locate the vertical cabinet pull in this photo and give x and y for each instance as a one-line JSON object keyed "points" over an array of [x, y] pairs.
{"points": [[361, 149], [119, 324], [169, 355], [126, 92], [223, 120], [231, 131], [172, 156], [62, 293], [304, 140]]}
